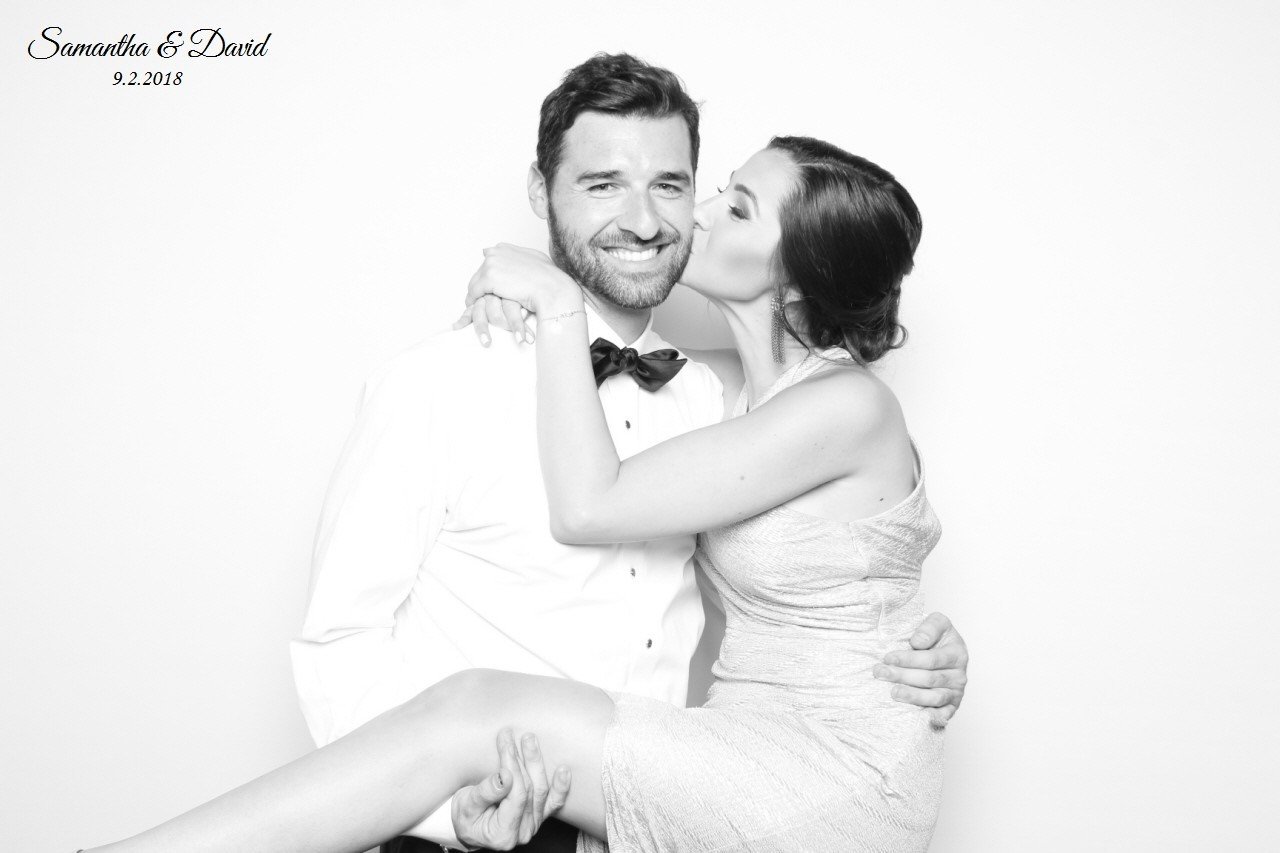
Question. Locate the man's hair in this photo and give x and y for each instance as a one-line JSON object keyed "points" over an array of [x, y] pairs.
{"points": [[616, 83]]}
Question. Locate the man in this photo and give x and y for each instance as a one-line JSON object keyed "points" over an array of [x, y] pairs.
{"points": [[434, 552]]}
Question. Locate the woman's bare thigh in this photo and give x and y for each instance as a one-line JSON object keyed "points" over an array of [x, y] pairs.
{"points": [[568, 717]]}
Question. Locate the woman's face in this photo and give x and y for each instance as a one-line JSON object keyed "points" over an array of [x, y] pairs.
{"points": [[737, 231]]}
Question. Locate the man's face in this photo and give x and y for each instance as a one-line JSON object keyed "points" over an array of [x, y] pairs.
{"points": [[620, 208]]}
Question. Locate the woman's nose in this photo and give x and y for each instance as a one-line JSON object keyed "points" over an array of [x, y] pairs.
{"points": [[704, 213]]}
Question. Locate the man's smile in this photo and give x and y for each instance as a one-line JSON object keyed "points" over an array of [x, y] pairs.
{"points": [[633, 255]]}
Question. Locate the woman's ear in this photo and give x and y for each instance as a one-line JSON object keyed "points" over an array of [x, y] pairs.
{"points": [[538, 192], [782, 286]]}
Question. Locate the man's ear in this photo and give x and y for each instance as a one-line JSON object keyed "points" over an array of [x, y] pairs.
{"points": [[538, 192]]}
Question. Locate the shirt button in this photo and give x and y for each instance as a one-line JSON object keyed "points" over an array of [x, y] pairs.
{"points": [[628, 423], [648, 644], [633, 573]]}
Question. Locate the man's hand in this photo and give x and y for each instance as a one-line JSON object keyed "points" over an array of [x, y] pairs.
{"points": [[934, 674], [507, 808]]}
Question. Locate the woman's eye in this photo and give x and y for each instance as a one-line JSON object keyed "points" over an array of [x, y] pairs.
{"points": [[736, 212]]}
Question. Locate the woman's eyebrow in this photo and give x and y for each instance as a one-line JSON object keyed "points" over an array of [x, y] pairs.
{"points": [[745, 190]]}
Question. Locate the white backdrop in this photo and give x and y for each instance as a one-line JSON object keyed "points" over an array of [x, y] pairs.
{"points": [[197, 278]]}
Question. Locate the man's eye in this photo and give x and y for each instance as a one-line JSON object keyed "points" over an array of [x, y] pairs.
{"points": [[598, 188], [669, 189]]}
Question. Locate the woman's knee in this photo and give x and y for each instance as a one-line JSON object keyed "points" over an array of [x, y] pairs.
{"points": [[461, 695]]}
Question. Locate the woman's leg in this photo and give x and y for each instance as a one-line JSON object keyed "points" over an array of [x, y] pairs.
{"points": [[389, 774]]}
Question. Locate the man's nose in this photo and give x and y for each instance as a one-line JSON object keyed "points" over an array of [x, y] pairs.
{"points": [[640, 217]]}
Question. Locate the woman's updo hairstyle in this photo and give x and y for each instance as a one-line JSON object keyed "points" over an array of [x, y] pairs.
{"points": [[849, 234]]}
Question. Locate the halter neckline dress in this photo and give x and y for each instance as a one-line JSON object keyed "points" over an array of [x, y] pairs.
{"points": [[798, 747]]}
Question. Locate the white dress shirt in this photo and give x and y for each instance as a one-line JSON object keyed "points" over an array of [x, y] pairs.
{"points": [[434, 552]]}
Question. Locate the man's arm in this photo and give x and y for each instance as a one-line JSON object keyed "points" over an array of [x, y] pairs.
{"points": [[384, 508], [381, 515], [934, 673]]}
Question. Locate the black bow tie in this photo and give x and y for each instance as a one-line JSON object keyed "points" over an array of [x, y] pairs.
{"points": [[651, 371]]}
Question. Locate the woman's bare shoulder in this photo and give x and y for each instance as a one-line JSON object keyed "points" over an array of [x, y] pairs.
{"points": [[856, 403]]}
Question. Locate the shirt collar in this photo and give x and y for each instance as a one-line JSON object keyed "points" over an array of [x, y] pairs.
{"points": [[598, 328]]}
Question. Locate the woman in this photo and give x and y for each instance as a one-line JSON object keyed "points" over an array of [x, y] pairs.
{"points": [[797, 746]]}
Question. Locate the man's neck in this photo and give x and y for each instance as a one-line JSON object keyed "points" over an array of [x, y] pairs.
{"points": [[628, 323]]}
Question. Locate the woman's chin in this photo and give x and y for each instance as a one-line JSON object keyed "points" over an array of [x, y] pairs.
{"points": [[716, 296], [701, 285], [690, 285]]}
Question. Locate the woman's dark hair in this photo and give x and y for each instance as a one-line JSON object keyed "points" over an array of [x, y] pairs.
{"points": [[849, 234], [616, 83]]}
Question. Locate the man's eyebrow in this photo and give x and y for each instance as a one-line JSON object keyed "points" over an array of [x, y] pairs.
{"points": [[610, 175], [613, 175]]}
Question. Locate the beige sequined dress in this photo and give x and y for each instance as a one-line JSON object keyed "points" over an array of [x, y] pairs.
{"points": [[798, 747]]}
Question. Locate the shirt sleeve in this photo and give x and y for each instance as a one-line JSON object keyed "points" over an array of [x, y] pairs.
{"points": [[438, 827], [383, 511]]}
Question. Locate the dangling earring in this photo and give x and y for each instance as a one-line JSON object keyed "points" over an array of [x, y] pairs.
{"points": [[776, 328]]}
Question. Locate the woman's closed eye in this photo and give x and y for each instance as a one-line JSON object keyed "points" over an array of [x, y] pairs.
{"points": [[734, 211]]}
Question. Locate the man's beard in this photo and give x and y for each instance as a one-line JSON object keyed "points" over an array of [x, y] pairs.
{"points": [[634, 290]]}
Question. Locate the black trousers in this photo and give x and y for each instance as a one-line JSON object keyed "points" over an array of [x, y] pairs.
{"points": [[554, 837]]}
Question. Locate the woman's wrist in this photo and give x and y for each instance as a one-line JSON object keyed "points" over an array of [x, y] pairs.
{"points": [[559, 293], [561, 316], [563, 302]]}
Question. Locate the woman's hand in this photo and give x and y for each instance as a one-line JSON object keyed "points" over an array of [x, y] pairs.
{"points": [[526, 277], [490, 310], [506, 809]]}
